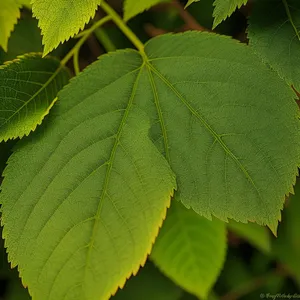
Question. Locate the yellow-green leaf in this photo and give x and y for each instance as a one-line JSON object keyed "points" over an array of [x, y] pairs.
{"points": [[9, 14], [190, 249], [61, 19]]}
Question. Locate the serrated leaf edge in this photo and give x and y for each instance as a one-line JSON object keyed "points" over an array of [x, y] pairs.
{"points": [[47, 49], [19, 59]]}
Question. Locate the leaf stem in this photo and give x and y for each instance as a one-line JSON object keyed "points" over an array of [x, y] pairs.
{"points": [[104, 39], [75, 50], [288, 12], [123, 27]]}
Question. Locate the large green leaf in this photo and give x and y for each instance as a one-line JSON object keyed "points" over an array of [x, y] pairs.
{"points": [[133, 7], [93, 190], [61, 19], [149, 284], [28, 89], [228, 126], [9, 14], [274, 34], [190, 249], [224, 9]]}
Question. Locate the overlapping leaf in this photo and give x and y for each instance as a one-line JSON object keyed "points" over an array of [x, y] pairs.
{"points": [[190, 249], [224, 9], [10, 12], [60, 19], [28, 89], [274, 34], [228, 126], [133, 7], [93, 189]]}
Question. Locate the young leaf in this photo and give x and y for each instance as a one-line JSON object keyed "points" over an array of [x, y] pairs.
{"points": [[10, 13], [149, 284], [133, 7], [256, 235], [190, 249], [28, 89], [274, 34], [93, 190], [59, 19], [224, 9]]}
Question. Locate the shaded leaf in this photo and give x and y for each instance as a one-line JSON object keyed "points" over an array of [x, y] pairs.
{"points": [[59, 19], [149, 284], [190, 249], [274, 34], [228, 126], [28, 89]]}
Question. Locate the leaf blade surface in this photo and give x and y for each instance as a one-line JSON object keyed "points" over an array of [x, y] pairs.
{"points": [[274, 35], [28, 89], [214, 126], [100, 189], [190, 249], [59, 20]]}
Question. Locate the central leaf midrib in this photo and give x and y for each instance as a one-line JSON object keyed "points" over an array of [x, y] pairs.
{"points": [[206, 125], [160, 114], [109, 169]]}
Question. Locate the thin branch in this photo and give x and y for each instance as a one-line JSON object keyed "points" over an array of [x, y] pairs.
{"points": [[190, 21]]}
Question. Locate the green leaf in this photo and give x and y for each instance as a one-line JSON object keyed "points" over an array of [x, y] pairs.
{"points": [[274, 34], [10, 13], [133, 7], [228, 126], [28, 89], [26, 3], [93, 190], [149, 284], [60, 19], [190, 249], [287, 246], [255, 234], [224, 9]]}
